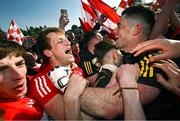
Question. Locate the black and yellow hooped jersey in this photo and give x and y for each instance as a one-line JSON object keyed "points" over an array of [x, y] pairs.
{"points": [[147, 71]]}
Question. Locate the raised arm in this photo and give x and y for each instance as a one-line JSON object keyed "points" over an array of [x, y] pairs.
{"points": [[169, 48], [75, 88], [102, 102], [127, 77], [162, 18]]}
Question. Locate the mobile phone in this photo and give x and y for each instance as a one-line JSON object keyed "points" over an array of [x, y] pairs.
{"points": [[64, 12]]}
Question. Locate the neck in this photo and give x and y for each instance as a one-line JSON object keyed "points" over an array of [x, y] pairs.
{"points": [[133, 44], [56, 63]]}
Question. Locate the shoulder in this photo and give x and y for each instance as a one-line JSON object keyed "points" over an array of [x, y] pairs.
{"points": [[42, 89]]}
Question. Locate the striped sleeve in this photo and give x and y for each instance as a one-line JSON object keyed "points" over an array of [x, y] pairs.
{"points": [[148, 73], [42, 89]]}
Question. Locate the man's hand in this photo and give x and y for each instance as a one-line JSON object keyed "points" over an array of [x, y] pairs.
{"points": [[173, 73], [102, 19], [63, 21], [127, 75], [76, 85], [169, 48]]}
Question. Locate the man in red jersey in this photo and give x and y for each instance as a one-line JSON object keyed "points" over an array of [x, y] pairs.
{"points": [[55, 51], [14, 102]]}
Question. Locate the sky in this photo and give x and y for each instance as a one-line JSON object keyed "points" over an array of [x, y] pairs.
{"points": [[41, 12]]}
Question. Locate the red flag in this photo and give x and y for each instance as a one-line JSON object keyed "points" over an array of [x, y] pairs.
{"points": [[85, 26], [14, 33], [103, 8], [123, 5], [89, 17]]}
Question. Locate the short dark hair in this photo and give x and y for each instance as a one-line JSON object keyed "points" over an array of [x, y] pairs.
{"points": [[43, 42], [142, 14], [103, 47], [10, 48], [87, 37]]}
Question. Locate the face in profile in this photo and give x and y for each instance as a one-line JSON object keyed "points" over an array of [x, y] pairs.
{"points": [[12, 77], [61, 52], [123, 34]]}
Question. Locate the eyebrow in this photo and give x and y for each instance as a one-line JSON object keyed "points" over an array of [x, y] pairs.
{"points": [[4, 65], [20, 62]]}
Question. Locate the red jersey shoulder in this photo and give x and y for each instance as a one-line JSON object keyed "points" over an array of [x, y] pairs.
{"points": [[23, 109], [42, 89]]}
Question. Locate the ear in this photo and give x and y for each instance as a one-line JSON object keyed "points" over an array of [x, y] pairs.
{"points": [[137, 29], [47, 53]]}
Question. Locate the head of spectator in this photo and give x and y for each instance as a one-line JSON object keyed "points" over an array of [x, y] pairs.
{"points": [[135, 26], [12, 71], [104, 34], [74, 43], [107, 53], [91, 38], [54, 48]]}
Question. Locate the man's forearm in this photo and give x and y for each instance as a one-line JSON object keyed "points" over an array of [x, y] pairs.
{"points": [[132, 106], [100, 102], [72, 108], [162, 18]]}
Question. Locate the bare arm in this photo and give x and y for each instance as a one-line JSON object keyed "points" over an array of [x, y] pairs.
{"points": [[55, 107], [63, 21], [100, 102], [169, 48], [162, 18], [75, 88], [127, 76]]}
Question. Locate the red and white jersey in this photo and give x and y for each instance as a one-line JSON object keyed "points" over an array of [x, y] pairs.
{"points": [[23, 109], [40, 86]]}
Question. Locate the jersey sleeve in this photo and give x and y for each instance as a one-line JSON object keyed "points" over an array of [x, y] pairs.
{"points": [[88, 68], [42, 89], [103, 78], [148, 73]]}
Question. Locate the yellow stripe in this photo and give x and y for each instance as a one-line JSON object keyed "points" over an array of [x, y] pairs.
{"points": [[151, 73], [142, 67], [150, 56], [86, 68], [147, 67], [90, 67]]}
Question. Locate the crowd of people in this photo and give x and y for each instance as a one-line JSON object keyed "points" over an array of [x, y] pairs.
{"points": [[135, 76]]}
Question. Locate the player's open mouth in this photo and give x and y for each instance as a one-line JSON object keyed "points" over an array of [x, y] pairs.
{"points": [[68, 51]]}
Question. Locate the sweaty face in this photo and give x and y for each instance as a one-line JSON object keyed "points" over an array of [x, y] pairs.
{"points": [[123, 34], [12, 77], [61, 49]]}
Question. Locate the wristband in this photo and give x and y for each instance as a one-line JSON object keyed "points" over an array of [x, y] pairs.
{"points": [[120, 89]]}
